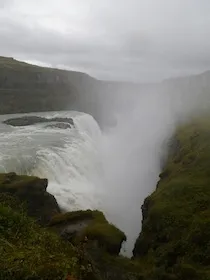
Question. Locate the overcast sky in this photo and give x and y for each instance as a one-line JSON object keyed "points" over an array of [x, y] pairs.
{"points": [[136, 40]]}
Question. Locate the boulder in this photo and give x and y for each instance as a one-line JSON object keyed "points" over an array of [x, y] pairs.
{"points": [[60, 125], [29, 251], [32, 192], [31, 120], [78, 225]]}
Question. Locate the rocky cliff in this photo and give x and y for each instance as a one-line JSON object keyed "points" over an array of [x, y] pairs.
{"points": [[29, 88], [173, 243], [79, 245], [175, 229]]}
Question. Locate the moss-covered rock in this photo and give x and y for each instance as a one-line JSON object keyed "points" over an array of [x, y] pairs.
{"points": [[116, 267], [28, 251], [32, 192], [176, 225], [77, 225]]}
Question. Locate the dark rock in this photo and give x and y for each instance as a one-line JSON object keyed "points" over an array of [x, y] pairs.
{"points": [[59, 125], [63, 120], [89, 231], [176, 225], [145, 208], [30, 120], [31, 191], [174, 146], [75, 226], [24, 121], [164, 174]]}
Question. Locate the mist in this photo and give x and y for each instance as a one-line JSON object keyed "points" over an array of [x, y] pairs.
{"points": [[134, 150], [131, 41]]}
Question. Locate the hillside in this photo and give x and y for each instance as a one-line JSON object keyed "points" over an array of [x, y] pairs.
{"points": [[175, 237], [38, 242], [173, 244], [30, 88]]}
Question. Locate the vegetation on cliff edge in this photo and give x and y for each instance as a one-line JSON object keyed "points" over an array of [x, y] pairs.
{"points": [[98, 228], [176, 217], [174, 243], [28, 251]]}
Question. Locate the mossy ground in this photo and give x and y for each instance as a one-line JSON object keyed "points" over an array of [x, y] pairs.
{"points": [[174, 243], [28, 251], [176, 230], [77, 216], [106, 234], [11, 181]]}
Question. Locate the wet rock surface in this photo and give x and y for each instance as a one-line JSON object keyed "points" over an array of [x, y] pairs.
{"points": [[32, 191], [31, 120], [59, 125]]}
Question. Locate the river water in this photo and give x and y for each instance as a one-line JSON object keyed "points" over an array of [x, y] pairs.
{"points": [[112, 170], [67, 157]]}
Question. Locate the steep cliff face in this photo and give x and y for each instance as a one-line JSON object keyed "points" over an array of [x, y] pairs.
{"points": [[32, 192], [28, 251], [79, 245], [29, 88], [175, 233], [75, 226]]}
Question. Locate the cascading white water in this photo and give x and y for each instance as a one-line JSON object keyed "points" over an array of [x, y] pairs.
{"points": [[67, 157], [131, 154], [73, 170], [112, 171]]}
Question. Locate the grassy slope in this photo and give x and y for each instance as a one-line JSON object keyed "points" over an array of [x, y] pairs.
{"points": [[98, 228], [30, 252], [175, 239], [175, 234], [16, 182], [12, 64], [30, 88]]}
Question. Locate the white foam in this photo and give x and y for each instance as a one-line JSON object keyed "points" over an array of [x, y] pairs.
{"points": [[68, 158]]}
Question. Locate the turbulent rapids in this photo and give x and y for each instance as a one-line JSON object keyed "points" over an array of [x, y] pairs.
{"points": [[67, 157], [111, 170]]}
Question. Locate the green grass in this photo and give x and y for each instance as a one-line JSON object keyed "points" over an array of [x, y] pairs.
{"points": [[176, 230], [28, 251], [99, 229], [16, 65], [174, 243], [77, 216], [11, 181], [107, 235]]}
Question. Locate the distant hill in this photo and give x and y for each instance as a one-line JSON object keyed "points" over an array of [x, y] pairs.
{"points": [[30, 88]]}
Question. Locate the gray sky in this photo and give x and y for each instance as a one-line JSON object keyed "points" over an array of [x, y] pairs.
{"points": [[136, 40]]}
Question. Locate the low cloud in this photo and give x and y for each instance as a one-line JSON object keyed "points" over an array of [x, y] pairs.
{"points": [[125, 40]]}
